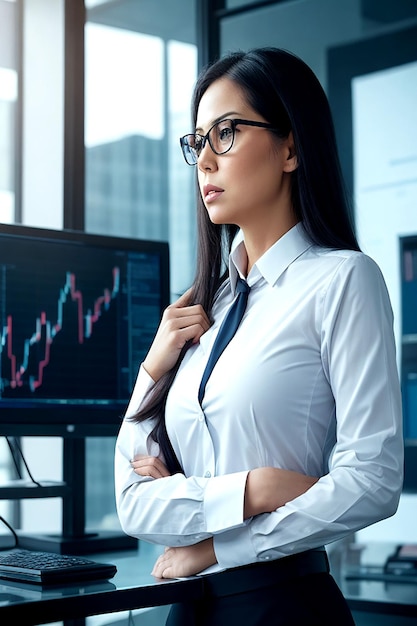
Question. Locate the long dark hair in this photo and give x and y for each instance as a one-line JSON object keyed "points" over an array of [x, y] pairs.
{"points": [[285, 92]]}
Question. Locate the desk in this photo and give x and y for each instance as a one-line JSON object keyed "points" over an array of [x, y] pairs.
{"points": [[374, 602], [133, 587]]}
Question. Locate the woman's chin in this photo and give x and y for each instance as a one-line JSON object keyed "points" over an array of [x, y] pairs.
{"points": [[217, 216]]}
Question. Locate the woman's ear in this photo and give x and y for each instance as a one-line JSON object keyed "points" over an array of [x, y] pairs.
{"points": [[291, 162]]}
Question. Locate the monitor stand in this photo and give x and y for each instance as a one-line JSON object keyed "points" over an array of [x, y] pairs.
{"points": [[103, 541], [74, 538]]}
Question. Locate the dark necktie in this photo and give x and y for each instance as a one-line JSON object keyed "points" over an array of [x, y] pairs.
{"points": [[226, 332]]}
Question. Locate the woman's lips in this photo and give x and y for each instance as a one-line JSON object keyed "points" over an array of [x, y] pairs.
{"points": [[211, 193]]}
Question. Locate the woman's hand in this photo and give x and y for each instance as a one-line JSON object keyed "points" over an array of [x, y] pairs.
{"points": [[185, 560], [268, 488], [180, 323], [149, 466]]}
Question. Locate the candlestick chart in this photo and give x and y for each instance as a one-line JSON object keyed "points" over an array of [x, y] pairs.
{"points": [[60, 340], [75, 325]]}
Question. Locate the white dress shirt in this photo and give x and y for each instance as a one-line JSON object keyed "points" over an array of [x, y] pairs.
{"points": [[308, 383]]}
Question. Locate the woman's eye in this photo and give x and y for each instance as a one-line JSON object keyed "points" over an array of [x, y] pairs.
{"points": [[225, 133]]}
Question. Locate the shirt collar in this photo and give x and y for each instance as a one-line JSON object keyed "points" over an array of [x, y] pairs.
{"points": [[273, 262]]}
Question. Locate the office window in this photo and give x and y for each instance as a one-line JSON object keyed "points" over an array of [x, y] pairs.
{"points": [[31, 127], [42, 152], [140, 69], [8, 108]]}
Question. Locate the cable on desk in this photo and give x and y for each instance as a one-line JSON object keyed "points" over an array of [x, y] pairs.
{"points": [[13, 447], [12, 530]]}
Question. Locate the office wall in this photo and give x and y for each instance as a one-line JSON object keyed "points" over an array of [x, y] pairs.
{"points": [[306, 27]]}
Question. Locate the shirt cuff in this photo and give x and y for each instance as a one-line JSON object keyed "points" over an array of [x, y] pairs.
{"points": [[142, 384], [234, 548], [224, 501]]}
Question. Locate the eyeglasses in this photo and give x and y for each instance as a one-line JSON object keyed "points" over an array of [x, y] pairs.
{"points": [[220, 137]]}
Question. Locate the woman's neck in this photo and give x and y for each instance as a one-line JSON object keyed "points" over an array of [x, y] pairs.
{"points": [[257, 243]]}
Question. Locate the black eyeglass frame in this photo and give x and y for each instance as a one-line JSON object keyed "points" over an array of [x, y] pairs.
{"points": [[187, 149]]}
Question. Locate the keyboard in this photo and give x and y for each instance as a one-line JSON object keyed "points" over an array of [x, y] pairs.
{"points": [[49, 568]]}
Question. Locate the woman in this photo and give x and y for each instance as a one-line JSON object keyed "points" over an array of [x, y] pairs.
{"points": [[295, 441]]}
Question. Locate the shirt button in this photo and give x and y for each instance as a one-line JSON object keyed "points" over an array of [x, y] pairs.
{"points": [[201, 418], [207, 475]]}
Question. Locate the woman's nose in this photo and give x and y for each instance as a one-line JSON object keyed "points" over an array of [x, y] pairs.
{"points": [[207, 158]]}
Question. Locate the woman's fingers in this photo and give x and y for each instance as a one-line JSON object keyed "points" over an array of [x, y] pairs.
{"points": [[182, 310], [185, 560], [182, 317], [183, 300], [179, 325], [149, 466], [179, 332]]}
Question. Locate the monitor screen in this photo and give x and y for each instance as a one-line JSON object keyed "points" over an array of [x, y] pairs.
{"points": [[78, 313]]}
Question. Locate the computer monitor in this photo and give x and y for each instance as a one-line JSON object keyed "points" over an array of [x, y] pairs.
{"points": [[77, 315]]}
